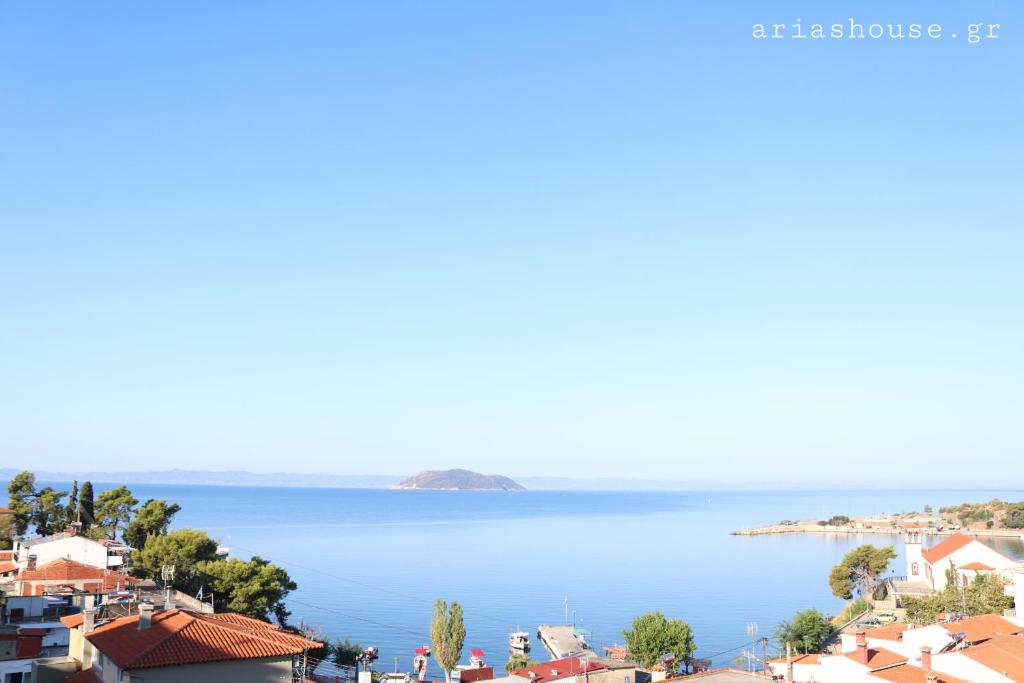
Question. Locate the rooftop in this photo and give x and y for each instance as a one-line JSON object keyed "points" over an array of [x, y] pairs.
{"points": [[560, 668], [177, 637], [64, 569], [947, 547], [982, 627], [879, 658], [1004, 654], [905, 673]]}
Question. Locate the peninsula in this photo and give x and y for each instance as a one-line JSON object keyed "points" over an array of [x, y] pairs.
{"points": [[459, 480]]}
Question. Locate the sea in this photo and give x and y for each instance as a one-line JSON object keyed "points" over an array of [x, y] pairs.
{"points": [[370, 563]]}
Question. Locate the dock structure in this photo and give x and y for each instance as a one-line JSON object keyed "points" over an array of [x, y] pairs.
{"points": [[563, 641]]}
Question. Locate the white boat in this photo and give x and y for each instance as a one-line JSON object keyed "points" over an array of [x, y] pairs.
{"points": [[420, 661], [476, 659], [519, 640]]}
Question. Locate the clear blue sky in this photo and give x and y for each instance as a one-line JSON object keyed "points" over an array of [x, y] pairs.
{"points": [[530, 237]]}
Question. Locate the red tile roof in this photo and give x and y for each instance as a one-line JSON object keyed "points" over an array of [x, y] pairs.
{"points": [[178, 637], [559, 668], [6, 511], [6, 567], [983, 627], [888, 632], [84, 676], [977, 566], [1003, 654], [71, 571], [947, 547], [879, 658], [905, 673], [73, 620]]}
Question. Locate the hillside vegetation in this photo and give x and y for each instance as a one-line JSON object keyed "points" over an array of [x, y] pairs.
{"points": [[460, 480]]}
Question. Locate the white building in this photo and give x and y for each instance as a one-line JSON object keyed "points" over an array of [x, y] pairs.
{"points": [[967, 555], [39, 551]]}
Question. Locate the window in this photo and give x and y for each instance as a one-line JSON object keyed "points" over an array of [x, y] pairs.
{"points": [[97, 663], [136, 679], [913, 569]]}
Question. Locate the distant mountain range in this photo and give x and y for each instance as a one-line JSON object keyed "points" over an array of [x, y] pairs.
{"points": [[381, 481], [460, 480], [221, 478]]}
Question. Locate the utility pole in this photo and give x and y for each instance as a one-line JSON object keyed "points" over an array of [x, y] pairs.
{"points": [[565, 603], [752, 632]]}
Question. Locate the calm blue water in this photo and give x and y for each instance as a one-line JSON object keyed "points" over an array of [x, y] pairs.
{"points": [[369, 563]]}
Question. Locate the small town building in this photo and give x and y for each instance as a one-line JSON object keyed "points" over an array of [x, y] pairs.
{"points": [[104, 553], [68, 576], [181, 645], [966, 554]]}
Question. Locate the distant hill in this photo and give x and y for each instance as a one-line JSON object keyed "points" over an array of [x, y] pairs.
{"points": [[459, 480]]}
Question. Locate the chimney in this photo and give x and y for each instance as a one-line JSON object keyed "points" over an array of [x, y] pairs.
{"points": [[862, 648], [31, 563], [145, 616], [88, 620], [926, 659], [931, 677]]}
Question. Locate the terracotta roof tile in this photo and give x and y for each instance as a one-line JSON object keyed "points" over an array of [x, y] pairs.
{"points": [[73, 620], [977, 566], [84, 676], [983, 627], [178, 637], [879, 658], [1003, 654], [64, 569], [6, 567], [888, 632], [905, 673], [559, 668], [947, 547]]}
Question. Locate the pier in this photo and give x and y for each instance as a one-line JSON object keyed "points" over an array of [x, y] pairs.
{"points": [[562, 642]]}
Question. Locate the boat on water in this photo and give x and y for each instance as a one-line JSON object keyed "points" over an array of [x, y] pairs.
{"points": [[419, 662], [519, 640], [476, 659]]}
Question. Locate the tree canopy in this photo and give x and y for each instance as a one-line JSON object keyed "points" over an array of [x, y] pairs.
{"points": [[986, 594], [860, 571], [183, 548], [113, 511], [151, 519], [653, 636], [807, 630], [447, 635], [517, 661], [255, 588]]}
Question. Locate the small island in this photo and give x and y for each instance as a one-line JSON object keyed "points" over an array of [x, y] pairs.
{"points": [[459, 480]]}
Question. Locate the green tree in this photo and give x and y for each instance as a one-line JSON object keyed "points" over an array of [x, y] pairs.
{"points": [[87, 505], [860, 571], [986, 594], [1014, 517], [21, 492], [517, 661], [807, 630], [447, 635], [71, 511], [114, 510], [653, 636], [48, 514], [151, 519], [346, 653], [6, 532], [927, 509], [186, 549], [255, 588]]}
